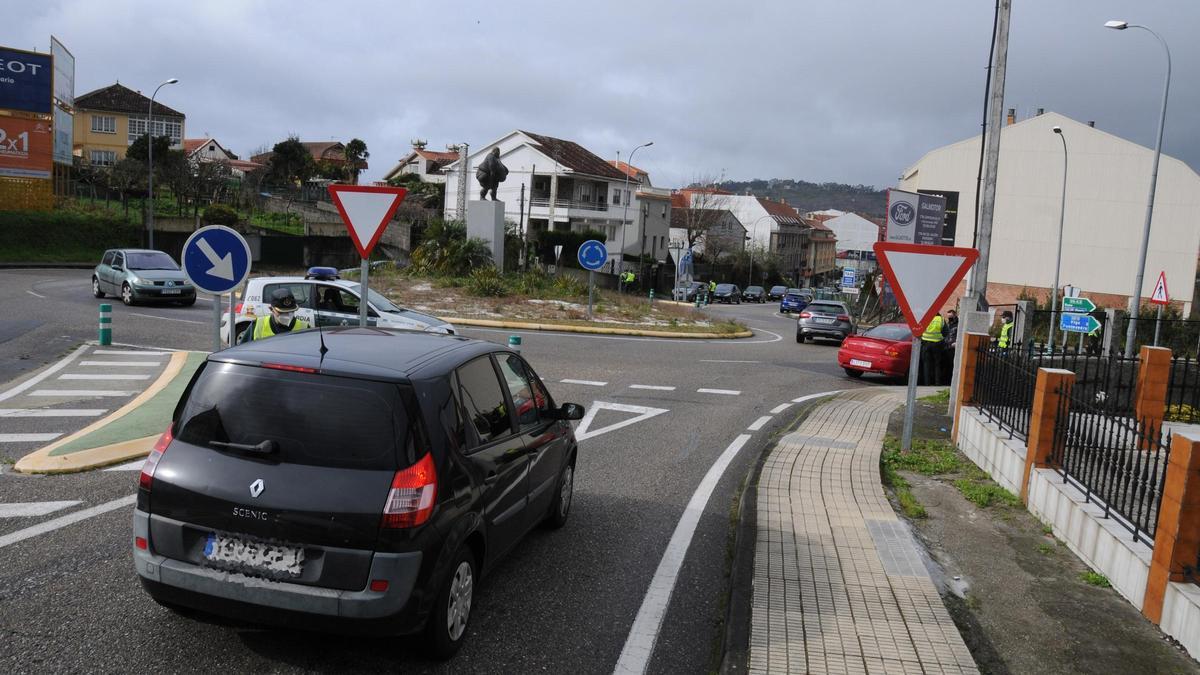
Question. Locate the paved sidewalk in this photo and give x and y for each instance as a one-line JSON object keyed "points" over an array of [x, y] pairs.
{"points": [[839, 585]]}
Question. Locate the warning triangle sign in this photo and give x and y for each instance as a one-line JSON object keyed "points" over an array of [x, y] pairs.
{"points": [[1159, 296], [923, 277], [366, 210]]}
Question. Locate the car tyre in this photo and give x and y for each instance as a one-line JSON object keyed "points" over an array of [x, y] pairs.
{"points": [[564, 492], [96, 292], [449, 621], [127, 294], [799, 337], [853, 373]]}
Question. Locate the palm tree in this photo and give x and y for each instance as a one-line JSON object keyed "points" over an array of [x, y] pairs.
{"points": [[356, 158]]}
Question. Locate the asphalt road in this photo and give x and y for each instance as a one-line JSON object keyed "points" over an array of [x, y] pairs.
{"points": [[563, 601]]}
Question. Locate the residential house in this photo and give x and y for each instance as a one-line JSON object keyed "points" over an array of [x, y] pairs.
{"points": [[210, 150], [856, 238], [331, 152], [426, 164], [109, 119], [718, 232], [568, 187]]}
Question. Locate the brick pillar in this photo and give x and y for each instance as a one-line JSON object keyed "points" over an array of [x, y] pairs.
{"points": [[1041, 421], [1154, 371], [1177, 537], [970, 346]]}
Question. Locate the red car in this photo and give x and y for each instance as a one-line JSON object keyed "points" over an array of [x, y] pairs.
{"points": [[885, 349]]}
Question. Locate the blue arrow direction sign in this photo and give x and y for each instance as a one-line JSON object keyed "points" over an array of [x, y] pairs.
{"points": [[592, 255], [1078, 323], [216, 259]]}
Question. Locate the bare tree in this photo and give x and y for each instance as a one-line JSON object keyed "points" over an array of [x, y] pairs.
{"points": [[707, 205]]}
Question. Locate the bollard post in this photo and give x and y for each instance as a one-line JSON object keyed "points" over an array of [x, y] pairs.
{"points": [[514, 343], [652, 296], [105, 324]]}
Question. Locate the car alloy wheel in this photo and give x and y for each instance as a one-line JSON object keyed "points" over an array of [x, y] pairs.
{"points": [[562, 502], [96, 288], [458, 607], [126, 294]]}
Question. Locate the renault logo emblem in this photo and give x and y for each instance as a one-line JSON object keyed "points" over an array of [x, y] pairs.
{"points": [[256, 488]]}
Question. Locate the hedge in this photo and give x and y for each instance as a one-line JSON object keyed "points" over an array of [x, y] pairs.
{"points": [[62, 236]]}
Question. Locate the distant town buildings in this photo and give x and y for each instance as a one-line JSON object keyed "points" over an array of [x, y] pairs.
{"points": [[426, 164]]}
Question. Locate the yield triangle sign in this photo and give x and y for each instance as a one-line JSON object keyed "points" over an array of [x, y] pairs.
{"points": [[366, 210], [585, 430], [1159, 296], [923, 277]]}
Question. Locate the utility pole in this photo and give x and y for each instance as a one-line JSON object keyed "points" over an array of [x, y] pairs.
{"points": [[987, 203], [462, 182]]}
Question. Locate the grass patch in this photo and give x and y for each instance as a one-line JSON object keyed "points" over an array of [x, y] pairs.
{"points": [[891, 478], [927, 457], [942, 397], [985, 494], [1045, 549], [1095, 579], [1048, 530]]}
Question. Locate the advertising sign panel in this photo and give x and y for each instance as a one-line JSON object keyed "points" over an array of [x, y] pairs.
{"points": [[25, 79], [26, 147], [64, 136], [64, 73], [915, 218]]}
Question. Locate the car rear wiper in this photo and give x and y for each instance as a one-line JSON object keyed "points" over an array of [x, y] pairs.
{"points": [[267, 447]]}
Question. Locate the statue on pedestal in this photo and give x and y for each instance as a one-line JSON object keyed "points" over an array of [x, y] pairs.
{"points": [[490, 174]]}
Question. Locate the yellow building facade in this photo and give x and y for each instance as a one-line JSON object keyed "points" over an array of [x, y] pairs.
{"points": [[108, 120]]}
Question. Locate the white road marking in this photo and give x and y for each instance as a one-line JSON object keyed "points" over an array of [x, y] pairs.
{"points": [[743, 341], [28, 438], [759, 423], [135, 465], [43, 375], [165, 318], [62, 521], [810, 397], [29, 509], [120, 363], [780, 408], [639, 645], [36, 295], [723, 392], [584, 430], [590, 383], [130, 352], [726, 361], [52, 412], [81, 392], [78, 376], [652, 387]]}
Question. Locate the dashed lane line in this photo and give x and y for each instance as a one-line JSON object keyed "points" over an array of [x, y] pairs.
{"points": [[105, 376], [81, 393], [589, 383], [52, 412], [127, 364], [759, 423], [726, 361], [723, 392], [164, 318], [36, 295], [33, 509], [28, 438], [780, 408], [130, 352], [62, 521], [652, 387]]}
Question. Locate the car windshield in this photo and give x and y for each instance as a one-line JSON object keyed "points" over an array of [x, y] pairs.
{"points": [[890, 331], [381, 303], [754, 289], [793, 290], [149, 260], [724, 288], [826, 308]]}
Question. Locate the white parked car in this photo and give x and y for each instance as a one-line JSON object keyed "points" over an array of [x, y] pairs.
{"points": [[325, 300]]}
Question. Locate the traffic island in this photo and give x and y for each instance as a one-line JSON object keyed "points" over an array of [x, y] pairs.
{"points": [[126, 434], [735, 332]]}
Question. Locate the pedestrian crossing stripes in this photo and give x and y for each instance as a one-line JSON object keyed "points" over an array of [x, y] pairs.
{"points": [[80, 393], [102, 376], [130, 352], [33, 509], [52, 412], [28, 438], [126, 364]]}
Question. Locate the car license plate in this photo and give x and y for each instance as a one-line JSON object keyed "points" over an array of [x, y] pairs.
{"points": [[277, 558], [172, 291], [820, 320], [860, 363]]}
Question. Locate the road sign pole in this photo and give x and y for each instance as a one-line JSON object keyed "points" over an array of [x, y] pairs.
{"points": [[362, 300], [591, 291], [1157, 325], [232, 323], [216, 305], [914, 370]]}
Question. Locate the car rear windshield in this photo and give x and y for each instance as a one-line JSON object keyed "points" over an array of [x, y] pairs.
{"points": [[314, 419], [149, 260], [724, 288], [890, 332], [794, 295], [826, 308]]}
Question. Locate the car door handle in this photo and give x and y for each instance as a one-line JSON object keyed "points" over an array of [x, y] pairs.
{"points": [[491, 478]]}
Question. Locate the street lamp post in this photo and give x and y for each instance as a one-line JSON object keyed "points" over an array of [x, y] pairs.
{"points": [[625, 211], [1135, 298], [150, 162], [1062, 213], [753, 231]]}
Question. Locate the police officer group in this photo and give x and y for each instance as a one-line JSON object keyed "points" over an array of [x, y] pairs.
{"points": [[940, 337]]}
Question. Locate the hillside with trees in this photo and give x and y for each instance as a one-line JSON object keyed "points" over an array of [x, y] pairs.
{"points": [[805, 196]]}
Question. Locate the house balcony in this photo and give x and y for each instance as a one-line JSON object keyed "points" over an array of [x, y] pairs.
{"points": [[543, 201]]}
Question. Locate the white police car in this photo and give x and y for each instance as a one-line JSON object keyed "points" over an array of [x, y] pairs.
{"points": [[324, 299]]}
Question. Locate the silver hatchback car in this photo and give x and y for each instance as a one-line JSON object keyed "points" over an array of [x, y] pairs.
{"points": [[824, 319], [139, 275]]}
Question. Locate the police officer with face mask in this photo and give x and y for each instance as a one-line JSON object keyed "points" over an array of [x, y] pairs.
{"points": [[282, 319]]}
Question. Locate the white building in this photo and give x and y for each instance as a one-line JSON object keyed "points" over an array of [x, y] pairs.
{"points": [[429, 165], [567, 187], [1107, 185], [856, 237], [208, 149]]}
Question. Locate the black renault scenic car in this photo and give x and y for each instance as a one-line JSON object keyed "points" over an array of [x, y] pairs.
{"points": [[355, 479]]}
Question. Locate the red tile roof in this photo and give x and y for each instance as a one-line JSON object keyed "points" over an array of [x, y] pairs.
{"points": [[575, 157], [630, 169], [441, 157], [122, 99], [782, 212], [191, 145]]}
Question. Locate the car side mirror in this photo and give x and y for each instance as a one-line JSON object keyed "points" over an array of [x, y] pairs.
{"points": [[569, 411]]}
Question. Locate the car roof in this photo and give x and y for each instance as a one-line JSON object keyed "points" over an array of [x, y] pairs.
{"points": [[388, 354], [346, 283]]}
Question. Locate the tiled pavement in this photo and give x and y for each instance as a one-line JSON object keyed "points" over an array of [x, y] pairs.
{"points": [[839, 586]]}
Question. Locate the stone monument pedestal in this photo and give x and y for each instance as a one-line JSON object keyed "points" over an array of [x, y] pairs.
{"points": [[485, 219]]}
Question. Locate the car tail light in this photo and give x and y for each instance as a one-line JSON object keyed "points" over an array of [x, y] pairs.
{"points": [[892, 351], [414, 490], [843, 317], [141, 543], [379, 585], [151, 463], [805, 315], [284, 366]]}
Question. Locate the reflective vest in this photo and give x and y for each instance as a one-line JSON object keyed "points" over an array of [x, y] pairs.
{"points": [[263, 329], [1005, 335], [933, 332], [712, 286]]}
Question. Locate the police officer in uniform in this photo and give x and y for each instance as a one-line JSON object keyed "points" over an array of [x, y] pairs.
{"points": [[931, 351], [1006, 329], [282, 319]]}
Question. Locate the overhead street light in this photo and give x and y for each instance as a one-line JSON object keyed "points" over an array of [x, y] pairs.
{"points": [[625, 210], [1058, 260], [1135, 298], [150, 160]]}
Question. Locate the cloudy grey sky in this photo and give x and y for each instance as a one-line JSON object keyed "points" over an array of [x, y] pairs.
{"points": [[839, 90]]}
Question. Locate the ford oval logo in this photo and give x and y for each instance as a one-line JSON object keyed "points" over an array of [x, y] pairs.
{"points": [[256, 488]]}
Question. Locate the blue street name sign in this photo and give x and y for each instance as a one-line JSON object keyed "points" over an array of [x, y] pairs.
{"points": [[216, 259], [592, 255], [849, 278], [1078, 323]]}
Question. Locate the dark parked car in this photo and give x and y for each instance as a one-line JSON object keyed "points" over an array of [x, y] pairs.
{"points": [[688, 292], [137, 275], [754, 294], [776, 292], [727, 293], [351, 479], [794, 301], [824, 319]]}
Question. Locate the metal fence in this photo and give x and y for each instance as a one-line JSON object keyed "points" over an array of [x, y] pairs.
{"points": [[1183, 391], [1118, 462], [1004, 384], [1107, 383]]}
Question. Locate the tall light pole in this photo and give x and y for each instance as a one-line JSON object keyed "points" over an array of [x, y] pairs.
{"points": [[1062, 213], [753, 231], [625, 210], [150, 158], [1135, 298]]}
